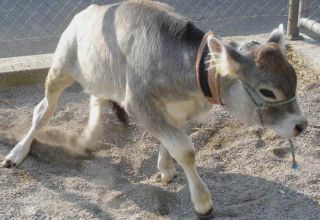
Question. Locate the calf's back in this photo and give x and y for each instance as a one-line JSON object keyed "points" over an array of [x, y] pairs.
{"points": [[134, 48]]}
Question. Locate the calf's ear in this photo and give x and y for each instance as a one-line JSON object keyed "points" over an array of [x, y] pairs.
{"points": [[277, 36], [227, 59]]}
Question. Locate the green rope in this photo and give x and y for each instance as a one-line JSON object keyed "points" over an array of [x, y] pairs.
{"points": [[260, 103]]}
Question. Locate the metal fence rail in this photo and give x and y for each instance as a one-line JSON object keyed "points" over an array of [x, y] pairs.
{"points": [[29, 27], [309, 16]]}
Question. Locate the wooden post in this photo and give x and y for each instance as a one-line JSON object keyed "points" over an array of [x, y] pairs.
{"points": [[304, 9], [293, 29]]}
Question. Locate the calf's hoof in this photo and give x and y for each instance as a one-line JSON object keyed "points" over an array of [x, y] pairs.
{"points": [[8, 164], [167, 179], [206, 216]]}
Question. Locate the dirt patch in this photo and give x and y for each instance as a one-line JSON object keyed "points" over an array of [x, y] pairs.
{"points": [[249, 177]]}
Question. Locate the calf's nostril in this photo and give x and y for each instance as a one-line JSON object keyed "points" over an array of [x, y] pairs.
{"points": [[301, 127]]}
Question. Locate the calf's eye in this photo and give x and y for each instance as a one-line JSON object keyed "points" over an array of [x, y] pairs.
{"points": [[267, 93]]}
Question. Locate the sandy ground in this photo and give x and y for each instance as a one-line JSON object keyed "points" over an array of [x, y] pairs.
{"points": [[249, 177]]}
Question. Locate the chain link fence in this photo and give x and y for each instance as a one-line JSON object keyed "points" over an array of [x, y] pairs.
{"points": [[314, 10], [29, 27]]}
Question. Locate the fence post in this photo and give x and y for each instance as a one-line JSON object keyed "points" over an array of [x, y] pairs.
{"points": [[304, 9], [293, 29]]}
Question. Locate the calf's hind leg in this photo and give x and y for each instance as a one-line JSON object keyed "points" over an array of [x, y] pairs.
{"points": [[94, 129], [56, 82]]}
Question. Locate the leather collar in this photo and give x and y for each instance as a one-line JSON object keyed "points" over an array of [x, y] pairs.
{"points": [[207, 79]]}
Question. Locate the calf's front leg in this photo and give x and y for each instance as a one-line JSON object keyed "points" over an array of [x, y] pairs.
{"points": [[165, 165], [181, 148], [176, 143]]}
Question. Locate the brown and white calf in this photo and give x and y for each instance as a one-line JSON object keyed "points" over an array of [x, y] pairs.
{"points": [[142, 55]]}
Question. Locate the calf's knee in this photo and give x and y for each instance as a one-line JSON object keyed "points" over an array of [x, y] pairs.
{"points": [[187, 158]]}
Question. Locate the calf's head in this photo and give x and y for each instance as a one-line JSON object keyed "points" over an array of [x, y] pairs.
{"points": [[258, 84]]}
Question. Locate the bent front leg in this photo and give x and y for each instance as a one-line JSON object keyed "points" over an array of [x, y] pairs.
{"points": [[176, 142], [165, 165], [181, 148]]}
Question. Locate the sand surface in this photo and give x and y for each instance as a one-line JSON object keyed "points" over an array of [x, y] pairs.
{"points": [[249, 177]]}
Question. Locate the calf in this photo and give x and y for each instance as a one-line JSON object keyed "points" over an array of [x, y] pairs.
{"points": [[164, 71]]}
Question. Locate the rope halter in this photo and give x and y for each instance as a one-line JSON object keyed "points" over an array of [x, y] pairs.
{"points": [[259, 102]]}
